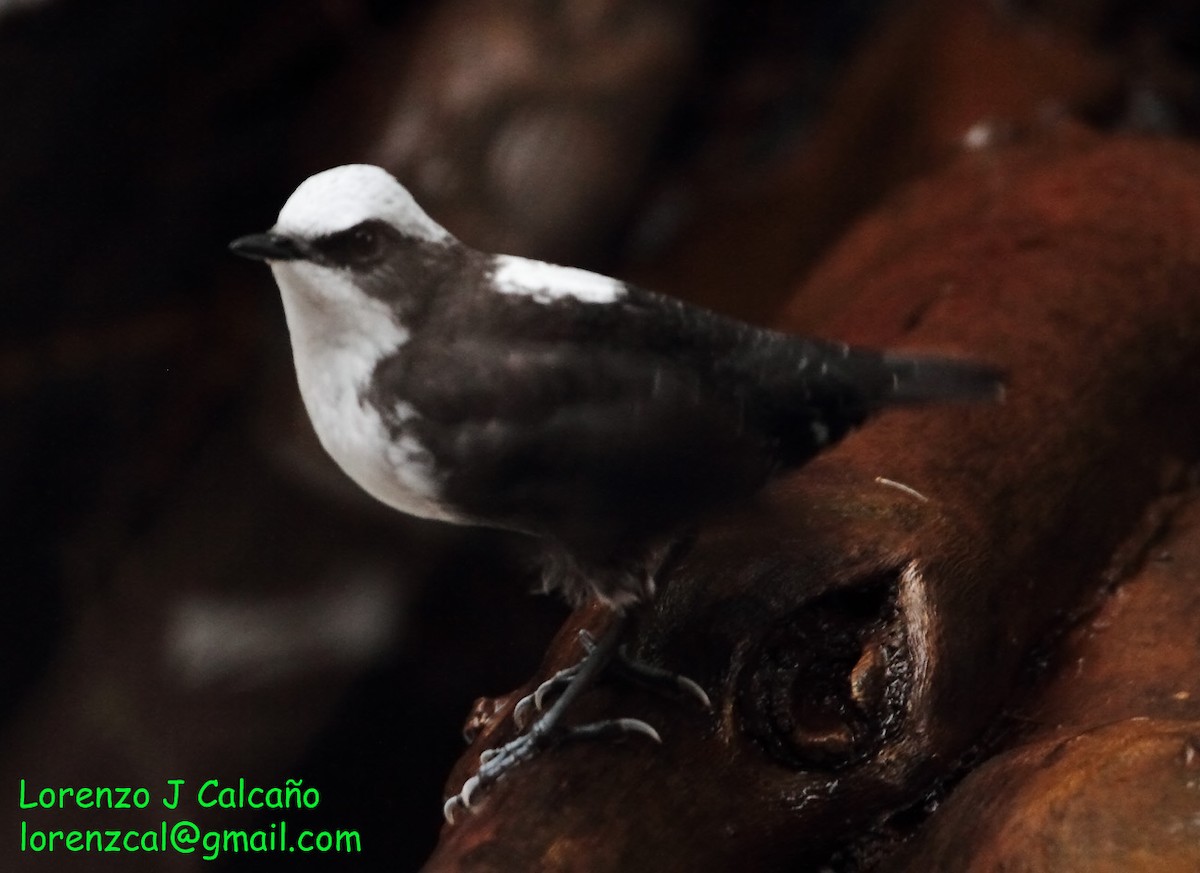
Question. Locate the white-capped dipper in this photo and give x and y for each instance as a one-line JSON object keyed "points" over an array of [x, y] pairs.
{"points": [[603, 419]]}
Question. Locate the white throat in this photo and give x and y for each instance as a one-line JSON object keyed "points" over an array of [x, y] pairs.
{"points": [[338, 336]]}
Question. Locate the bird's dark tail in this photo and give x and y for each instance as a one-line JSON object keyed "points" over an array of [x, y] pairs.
{"points": [[917, 379]]}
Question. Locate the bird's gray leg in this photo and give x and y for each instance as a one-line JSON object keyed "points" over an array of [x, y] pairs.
{"points": [[653, 678], [548, 728]]}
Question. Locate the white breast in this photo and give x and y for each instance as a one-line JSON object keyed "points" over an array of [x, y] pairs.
{"points": [[335, 349]]}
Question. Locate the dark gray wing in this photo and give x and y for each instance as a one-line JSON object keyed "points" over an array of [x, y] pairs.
{"points": [[570, 419], [575, 440]]}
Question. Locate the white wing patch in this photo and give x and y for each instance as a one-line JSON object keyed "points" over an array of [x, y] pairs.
{"points": [[546, 283]]}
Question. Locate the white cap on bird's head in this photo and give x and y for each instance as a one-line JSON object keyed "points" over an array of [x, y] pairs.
{"points": [[343, 197]]}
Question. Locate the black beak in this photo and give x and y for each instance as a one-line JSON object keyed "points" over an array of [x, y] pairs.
{"points": [[267, 247]]}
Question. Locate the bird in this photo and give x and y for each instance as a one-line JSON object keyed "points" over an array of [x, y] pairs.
{"points": [[598, 418]]}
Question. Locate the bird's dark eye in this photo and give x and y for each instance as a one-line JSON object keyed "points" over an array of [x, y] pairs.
{"points": [[359, 246]]}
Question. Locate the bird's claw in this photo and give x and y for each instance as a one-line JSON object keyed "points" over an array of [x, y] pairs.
{"points": [[535, 701], [495, 763], [462, 799], [567, 685], [452, 803], [614, 727], [691, 687], [521, 711], [658, 678]]}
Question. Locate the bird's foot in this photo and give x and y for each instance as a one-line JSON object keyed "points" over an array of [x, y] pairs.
{"points": [[564, 686], [494, 764], [640, 673]]}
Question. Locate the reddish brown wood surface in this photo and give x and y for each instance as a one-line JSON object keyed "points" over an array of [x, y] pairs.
{"points": [[1102, 774]]}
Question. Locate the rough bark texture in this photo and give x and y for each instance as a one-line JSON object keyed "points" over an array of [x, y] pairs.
{"points": [[1102, 768]]}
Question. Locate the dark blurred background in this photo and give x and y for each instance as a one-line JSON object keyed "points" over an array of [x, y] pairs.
{"points": [[192, 590]]}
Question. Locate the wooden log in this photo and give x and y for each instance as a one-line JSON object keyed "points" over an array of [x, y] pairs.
{"points": [[1102, 771]]}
